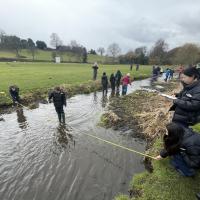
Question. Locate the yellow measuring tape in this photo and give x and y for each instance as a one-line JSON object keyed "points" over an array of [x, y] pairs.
{"points": [[122, 147]]}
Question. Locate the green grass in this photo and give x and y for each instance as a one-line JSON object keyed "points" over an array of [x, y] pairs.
{"points": [[42, 76], [46, 56]]}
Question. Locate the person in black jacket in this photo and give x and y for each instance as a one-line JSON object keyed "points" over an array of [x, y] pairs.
{"points": [[118, 77], [187, 105], [112, 83], [104, 82], [183, 145], [59, 100], [14, 93]]}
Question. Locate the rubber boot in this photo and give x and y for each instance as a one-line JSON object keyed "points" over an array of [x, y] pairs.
{"points": [[63, 118], [59, 117]]}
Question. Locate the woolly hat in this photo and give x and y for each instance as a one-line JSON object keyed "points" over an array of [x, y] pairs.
{"points": [[191, 71]]}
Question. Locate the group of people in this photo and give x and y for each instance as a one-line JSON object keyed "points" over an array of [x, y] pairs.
{"points": [[181, 143], [115, 81], [136, 67], [58, 96]]}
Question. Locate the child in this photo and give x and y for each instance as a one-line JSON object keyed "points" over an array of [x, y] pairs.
{"points": [[125, 81], [104, 82], [183, 145]]}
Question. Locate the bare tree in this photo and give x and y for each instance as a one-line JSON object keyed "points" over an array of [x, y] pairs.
{"points": [[101, 50], [55, 40], [158, 52], [31, 48], [74, 43], [2, 33], [114, 50], [188, 54]]}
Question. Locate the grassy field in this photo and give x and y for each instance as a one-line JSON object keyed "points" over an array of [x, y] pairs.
{"points": [[46, 56], [42, 76]]}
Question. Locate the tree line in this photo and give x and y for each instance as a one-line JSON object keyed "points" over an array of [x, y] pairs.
{"points": [[159, 54]]}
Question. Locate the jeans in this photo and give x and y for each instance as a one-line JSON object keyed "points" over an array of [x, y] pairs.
{"points": [[181, 166], [124, 89]]}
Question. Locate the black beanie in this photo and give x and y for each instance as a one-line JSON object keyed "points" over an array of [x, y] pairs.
{"points": [[191, 71]]}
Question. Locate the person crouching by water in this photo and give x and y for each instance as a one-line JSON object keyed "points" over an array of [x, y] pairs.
{"points": [[125, 81], [183, 146], [14, 93], [59, 100], [104, 82], [187, 105]]}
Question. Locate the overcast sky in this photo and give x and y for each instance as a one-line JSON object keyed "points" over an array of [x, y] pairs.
{"points": [[95, 23]]}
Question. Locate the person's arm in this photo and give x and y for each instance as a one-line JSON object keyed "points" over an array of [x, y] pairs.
{"points": [[163, 154], [64, 99], [50, 96], [187, 103]]}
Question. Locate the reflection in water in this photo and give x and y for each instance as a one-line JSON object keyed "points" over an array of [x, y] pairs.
{"points": [[63, 138], [21, 118], [112, 94], [104, 101], [2, 119], [95, 100], [117, 92]]}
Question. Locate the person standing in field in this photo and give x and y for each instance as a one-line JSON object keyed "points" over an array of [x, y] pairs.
{"points": [[59, 100], [104, 82], [125, 81], [131, 67], [137, 67], [95, 69]]}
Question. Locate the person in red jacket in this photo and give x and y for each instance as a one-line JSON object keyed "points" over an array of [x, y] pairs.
{"points": [[125, 81]]}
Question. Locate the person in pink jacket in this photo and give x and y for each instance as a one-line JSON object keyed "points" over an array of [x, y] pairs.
{"points": [[125, 81]]}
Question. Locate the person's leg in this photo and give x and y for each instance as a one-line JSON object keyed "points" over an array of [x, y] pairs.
{"points": [[106, 89], [103, 91], [125, 89], [58, 110], [180, 165], [63, 117]]}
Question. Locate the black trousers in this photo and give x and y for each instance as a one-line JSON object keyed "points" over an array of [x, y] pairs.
{"points": [[61, 114]]}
